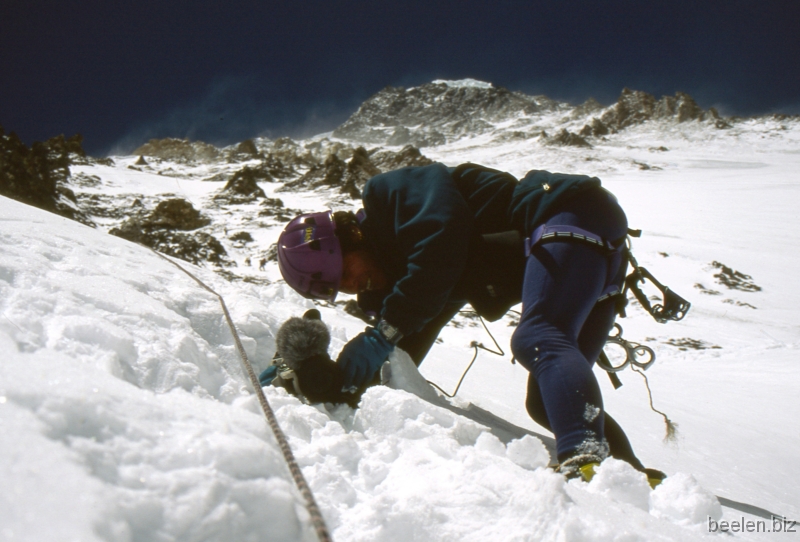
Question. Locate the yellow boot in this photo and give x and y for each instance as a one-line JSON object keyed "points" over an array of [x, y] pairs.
{"points": [[580, 466], [654, 477]]}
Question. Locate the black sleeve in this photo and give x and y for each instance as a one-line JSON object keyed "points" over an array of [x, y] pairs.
{"points": [[417, 345], [421, 214]]}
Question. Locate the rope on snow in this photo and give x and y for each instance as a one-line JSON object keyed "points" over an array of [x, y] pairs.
{"points": [[311, 505]]}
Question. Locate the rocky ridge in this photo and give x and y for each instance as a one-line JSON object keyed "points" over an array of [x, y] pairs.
{"points": [[636, 107], [179, 150]]}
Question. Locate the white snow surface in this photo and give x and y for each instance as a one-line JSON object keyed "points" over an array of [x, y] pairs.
{"points": [[125, 413], [463, 83]]}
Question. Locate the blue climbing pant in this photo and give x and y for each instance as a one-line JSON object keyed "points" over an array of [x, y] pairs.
{"points": [[563, 328]]}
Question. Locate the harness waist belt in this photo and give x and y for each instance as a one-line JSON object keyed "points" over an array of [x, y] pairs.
{"points": [[547, 233], [563, 232]]}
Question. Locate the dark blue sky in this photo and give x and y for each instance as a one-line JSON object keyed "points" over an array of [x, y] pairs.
{"points": [[122, 72]]}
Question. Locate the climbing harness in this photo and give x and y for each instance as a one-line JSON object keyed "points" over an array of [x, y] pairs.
{"points": [[317, 520], [625, 353], [672, 308], [545, 233]]}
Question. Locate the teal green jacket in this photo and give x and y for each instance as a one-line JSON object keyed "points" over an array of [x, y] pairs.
{"points": [[426, 225]]}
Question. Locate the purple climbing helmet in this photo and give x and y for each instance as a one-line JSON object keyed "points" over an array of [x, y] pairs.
{"points": [[310, 256]]}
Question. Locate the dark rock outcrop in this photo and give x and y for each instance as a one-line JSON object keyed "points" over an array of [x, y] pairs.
{"points": [[327, 174], [247, 147], [196, 248], [30, 175], [176, 214], [71, 147], [636, 107], [275, 168], [386, 160], [244, 151], [163, 230], [359, 170], [38, 175], [351, 176], [595, 128], [243, 187], [735, 280], [274, 208], [288, 151], [169, 215], [242, 237], [566, 138]]}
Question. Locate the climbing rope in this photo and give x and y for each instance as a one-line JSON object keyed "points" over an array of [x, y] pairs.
{"points": [[671, 428], [632, 350], [311, 505], [476, 345]]}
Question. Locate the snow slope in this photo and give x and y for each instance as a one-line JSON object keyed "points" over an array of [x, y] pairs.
{"points": [[125, 414], [126, 417]]}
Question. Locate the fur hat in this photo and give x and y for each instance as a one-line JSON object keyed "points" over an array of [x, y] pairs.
{"points": [[299, 339], [303, 346]]}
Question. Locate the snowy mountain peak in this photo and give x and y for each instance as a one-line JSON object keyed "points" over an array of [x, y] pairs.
{"points": [[437, 113], [443, 111], [463, 83]]}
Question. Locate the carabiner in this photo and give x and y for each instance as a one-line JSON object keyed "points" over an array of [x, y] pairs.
{"points": [[674, 307], [637, 354]]}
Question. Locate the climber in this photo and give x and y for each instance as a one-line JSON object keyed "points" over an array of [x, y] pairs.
{"points": [[431, 239]]}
